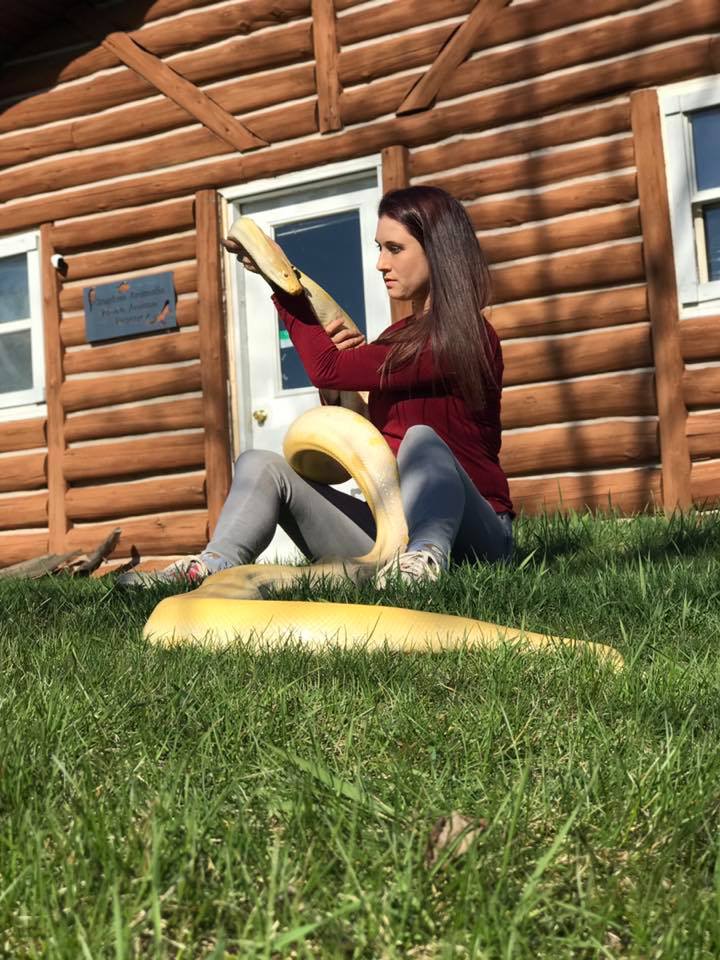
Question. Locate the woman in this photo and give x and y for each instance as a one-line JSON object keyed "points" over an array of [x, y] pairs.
{"points": [[434, 379]]}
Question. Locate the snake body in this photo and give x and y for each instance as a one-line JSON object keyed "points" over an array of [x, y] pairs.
{"points": [[328, 445]]}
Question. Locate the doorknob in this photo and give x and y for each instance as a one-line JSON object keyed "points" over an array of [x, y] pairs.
{"points": [[260, 416]]}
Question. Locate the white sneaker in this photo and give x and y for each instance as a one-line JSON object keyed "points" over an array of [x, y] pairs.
{"points": [[413, 566], [191, 570]]}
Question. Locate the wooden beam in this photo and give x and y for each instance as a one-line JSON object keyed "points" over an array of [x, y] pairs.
{"points": [[327, 81], [662, 300], [162, 76], [459, 45], [396, 176], [213, 354], [395, 168], [58, 525]]}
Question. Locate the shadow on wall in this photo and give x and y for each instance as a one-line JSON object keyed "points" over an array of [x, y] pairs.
{"points": [[41, 42], [585, 272]]}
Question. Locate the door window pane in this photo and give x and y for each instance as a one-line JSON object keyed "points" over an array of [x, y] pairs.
{"points": [[15, 361], [329, 250], [14, 290], [705, 126], [711, 216]]}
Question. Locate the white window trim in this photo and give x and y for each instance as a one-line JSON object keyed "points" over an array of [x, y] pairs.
{"points": [[696, 297], [234, 294], [24, 403]]}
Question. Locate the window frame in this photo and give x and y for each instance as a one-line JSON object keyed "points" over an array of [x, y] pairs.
{"points": [[676, 103], [28, 243]]}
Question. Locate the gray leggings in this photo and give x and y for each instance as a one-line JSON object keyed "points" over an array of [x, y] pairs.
{"points": [[442, 507]]}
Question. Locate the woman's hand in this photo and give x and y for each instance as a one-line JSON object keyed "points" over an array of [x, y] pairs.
{"points": [[343, 338], [232, 246]]}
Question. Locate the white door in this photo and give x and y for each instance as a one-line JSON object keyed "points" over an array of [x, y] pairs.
{"points": [[328, 231]]}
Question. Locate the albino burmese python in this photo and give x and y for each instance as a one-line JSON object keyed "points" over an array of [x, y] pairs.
{"points": [[328, 444]]}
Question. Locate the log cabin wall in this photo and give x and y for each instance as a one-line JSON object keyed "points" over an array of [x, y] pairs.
{"points": [[533, 132]]}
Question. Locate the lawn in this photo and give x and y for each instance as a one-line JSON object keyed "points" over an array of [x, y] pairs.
{"points": [[183, 804]]}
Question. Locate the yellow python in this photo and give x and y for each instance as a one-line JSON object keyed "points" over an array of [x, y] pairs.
{"points": [[328, 444]]}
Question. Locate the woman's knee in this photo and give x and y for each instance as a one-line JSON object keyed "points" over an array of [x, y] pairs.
{"points": [[418, 435], [258, 463]]}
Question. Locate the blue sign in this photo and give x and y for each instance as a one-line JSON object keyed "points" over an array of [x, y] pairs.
{"points": [[126, 308]]}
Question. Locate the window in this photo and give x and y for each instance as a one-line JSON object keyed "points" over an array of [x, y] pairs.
{"points": [[692, 130], [22, 368]]}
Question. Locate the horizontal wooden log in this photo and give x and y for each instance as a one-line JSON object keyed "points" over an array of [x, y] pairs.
{"points": [[565, 234], [571, 313], [26, 471], [159, 494], [600, 120], [530, 172], [165, 347], [22, 434], [90, 392], [594, 267], [703, 433], [293, 44], [696, 58], [184, 277], [167, 533], [705, 483], [72, 327], [137, 256], [21, 512], [126, 458], [700, 338], [182, 413], [192, 144], [357, 65], [596, 41], [581, 446], [577, 355], [24, 545], [578, 196], [531, 21], [619, 395], [289, 44], [701, 387], [626, 491], [172, 216]]}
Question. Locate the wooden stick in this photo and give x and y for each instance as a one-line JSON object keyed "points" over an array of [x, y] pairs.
{"points": [[327, 81], [451, 56], [166, 80], [662, 299], [58, 525], [213, 354]]}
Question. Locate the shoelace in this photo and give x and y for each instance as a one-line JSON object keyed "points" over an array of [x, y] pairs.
{"points": [[418, 563]]}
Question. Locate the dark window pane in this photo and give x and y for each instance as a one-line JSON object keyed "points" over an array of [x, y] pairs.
{"points": [[706, 145], [15, 361], [329, 250], [14, 292], [711, 216]]}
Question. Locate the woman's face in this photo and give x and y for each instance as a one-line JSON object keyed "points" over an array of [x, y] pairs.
{"points": [[402, 262]]}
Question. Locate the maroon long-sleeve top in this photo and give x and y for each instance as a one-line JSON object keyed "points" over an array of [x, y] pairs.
{"points": [[414, 394]]}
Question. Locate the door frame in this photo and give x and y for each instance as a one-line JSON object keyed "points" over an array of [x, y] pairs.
{"points": [[240, 397]]}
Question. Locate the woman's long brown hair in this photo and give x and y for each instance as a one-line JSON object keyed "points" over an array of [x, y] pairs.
{"points": [[454, 326]]}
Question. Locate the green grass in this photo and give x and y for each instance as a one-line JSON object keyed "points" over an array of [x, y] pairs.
{"points": [[183, 804]]}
